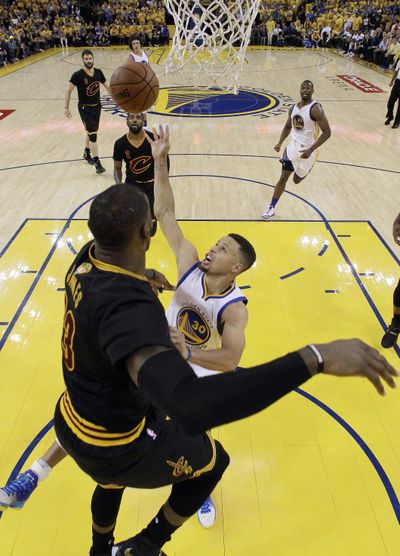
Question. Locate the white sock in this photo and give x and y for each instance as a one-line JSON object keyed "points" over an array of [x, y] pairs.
{"points": [[41, 468]]}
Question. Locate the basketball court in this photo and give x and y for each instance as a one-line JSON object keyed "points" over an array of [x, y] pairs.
{"points": [[317, 474]]}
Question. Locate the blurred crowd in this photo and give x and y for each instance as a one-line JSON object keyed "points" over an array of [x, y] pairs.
{"points": [[31, 26], [368, 29]]}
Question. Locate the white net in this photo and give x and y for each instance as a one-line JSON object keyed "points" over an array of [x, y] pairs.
{"points": [[211, 38]]}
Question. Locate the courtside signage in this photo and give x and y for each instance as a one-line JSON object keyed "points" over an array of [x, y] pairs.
{"points": [[361, 84], [5, 113]]}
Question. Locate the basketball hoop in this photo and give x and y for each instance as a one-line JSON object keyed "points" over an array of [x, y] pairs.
{"points": [[211, 38]]}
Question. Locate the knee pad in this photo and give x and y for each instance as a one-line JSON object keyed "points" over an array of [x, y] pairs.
{"points": [[105, 505]]}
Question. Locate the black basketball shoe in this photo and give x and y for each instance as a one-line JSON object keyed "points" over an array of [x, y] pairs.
{"points": [[88, 157], [139, 545], [390, 336], [99, 168], [104, 552]]}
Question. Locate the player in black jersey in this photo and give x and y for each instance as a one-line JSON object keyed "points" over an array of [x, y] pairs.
{"points": [[87, 80], [135, 150], [123, 376]]}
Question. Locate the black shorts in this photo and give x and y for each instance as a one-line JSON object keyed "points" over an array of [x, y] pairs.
{"points": [[90, 116], [147, 188], [163, 454]]}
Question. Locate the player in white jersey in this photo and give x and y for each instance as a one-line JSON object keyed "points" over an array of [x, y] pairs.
{"points": [[140, 56], [207, 309], [306, 119], [137, 54]]}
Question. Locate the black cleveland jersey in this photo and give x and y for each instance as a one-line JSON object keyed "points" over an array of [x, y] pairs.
{"points": [[139, 161], [110, 312], [88, 86]]}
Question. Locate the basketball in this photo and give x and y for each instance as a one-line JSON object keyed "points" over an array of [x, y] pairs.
{"points": [[134, 87]]}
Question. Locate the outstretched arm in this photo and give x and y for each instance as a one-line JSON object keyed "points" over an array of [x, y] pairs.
{"points": [[164, 203], [199, 404]]}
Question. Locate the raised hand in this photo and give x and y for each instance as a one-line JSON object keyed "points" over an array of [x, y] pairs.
{"points": [[356, 358], [160, 145]]}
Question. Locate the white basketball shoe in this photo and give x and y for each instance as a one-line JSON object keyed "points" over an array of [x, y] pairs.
{"points": [[269, 213], [207, 513]]}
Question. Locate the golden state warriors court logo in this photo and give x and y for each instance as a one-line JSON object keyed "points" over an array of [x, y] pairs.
{"points": [[196, 102], [193, 326]]}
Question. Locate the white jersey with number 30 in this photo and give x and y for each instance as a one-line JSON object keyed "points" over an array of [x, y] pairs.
{"points": [[198, 314]]}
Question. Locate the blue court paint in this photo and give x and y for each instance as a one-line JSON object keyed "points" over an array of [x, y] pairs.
{"points": [[244, 287], [324, 248], [61, 289], [49, 233], [366, 273], [332, 291], [292, 273], [3, 323], [365, 448], [29, 271], [21, 306], [343, 235], [21, 462], [71, 248]]}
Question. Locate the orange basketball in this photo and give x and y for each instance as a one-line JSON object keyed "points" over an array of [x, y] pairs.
{"points": [[134, 87]]}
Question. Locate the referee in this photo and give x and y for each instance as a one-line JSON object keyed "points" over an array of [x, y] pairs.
{"points": [[394, 96], [87, 80]]}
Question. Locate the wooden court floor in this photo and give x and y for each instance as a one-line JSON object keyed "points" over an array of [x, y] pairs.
{"points": [[317, 473]]}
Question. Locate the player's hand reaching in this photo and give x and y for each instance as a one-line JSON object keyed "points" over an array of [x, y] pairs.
{"points": [[178, 339], [158, 281], [306, 153], [355, 358], [277, 147], [67, 113], [160, 145]]}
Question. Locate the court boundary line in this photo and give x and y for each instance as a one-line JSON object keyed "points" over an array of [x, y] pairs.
{"points": [[364, 447], [272, 157], [13, 237], [361, 443]]}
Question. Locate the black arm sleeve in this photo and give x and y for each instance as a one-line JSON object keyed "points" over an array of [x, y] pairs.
{"points": [[199, 404]]}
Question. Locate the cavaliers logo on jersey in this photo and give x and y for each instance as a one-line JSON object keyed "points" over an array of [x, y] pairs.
{"points": [[298, 122], [193, 326], [140, 164], [93, 89]]}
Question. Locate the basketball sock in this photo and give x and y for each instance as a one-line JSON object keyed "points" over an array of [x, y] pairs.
{"points": [[41, 469], [396, 319], [273, 202], [159, 530], [102, 541], [87, 150]]}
